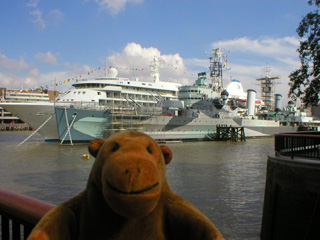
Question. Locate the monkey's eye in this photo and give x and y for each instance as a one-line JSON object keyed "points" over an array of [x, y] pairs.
{"points": [[149, 150], [115, 147]]}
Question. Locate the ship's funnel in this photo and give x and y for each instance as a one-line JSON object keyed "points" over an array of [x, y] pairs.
{"points": [[251, 98], [277, 107]]}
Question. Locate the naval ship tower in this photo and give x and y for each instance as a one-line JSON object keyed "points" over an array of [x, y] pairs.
{"points": [[267, 89]]}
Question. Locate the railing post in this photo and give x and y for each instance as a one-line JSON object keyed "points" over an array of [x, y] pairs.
{"points": [[16, 230], [5, 227]]}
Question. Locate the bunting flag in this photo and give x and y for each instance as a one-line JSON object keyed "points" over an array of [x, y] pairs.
{"points": [[128, 69], [177, 68], [99, 71], [162, 61]]}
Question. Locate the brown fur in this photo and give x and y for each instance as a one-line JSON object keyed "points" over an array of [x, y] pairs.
{"points": [[127, 197]]}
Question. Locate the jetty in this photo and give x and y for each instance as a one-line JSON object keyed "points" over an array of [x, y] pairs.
{"points": [[234, 134]]}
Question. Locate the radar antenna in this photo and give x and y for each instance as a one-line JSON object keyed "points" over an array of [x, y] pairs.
{"points": [[218, 63]]}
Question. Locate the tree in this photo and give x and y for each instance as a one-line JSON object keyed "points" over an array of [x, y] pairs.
{"points": [[305, 82]]}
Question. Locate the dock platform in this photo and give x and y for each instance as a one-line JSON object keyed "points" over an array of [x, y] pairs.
{"points": [[230, 133]]}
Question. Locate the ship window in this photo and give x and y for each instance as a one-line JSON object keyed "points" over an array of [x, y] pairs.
{"points": [[83, 92], [99, 93]]}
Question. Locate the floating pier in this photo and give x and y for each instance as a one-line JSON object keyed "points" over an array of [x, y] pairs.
{"points": [[229, 133]]}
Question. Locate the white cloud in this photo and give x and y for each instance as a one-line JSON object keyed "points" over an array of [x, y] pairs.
{"points": [[32, 3], [47, 57], [55, 16], [36, 14], [12, 64], [115, 6], [17, 74], [10, 80], [77, 68], [11, 76], [134, 56], [37, 19], [271, 47], [42, 19], [34, 73]]}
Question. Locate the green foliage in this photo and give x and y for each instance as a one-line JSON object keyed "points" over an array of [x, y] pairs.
{"points": [[305, 82]]}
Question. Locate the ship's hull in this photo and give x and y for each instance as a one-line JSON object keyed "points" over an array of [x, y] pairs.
{"points": [[80, 125], [35, 115], [90, 124], [184, 128]]}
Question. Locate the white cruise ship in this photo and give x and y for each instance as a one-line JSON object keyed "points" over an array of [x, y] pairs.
{"points": [[109, 91]]}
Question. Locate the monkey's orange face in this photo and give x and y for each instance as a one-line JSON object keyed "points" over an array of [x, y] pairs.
{"points": [[132, 173]]}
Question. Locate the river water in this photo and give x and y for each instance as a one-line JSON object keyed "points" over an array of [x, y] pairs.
{"points": [[225, 180]]}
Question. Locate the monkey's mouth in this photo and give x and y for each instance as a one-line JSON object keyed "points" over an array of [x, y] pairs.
{"points": [[132, 192]]}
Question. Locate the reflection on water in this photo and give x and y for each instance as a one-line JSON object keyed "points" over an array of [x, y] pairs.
{"points": [[225, 180]]}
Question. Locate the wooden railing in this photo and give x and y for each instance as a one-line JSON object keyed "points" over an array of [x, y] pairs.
{"points": [[299, 144], [19, 214]]}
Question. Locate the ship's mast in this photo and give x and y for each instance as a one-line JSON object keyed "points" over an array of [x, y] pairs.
{"points": [[268, 88], [155, 69], [106, 68], [218, 62]]}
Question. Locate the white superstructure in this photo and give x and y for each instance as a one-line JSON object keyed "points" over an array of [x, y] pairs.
{"points": [[115, 91]]}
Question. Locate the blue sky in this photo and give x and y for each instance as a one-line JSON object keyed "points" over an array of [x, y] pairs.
{"points": [[43, 40]]}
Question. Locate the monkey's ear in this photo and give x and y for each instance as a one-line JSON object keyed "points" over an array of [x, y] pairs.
{"points": [[95, 145], [167, 154]]}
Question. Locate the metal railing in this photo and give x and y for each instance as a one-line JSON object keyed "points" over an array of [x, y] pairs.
{"points": [[298, 144], [19, 214]]}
